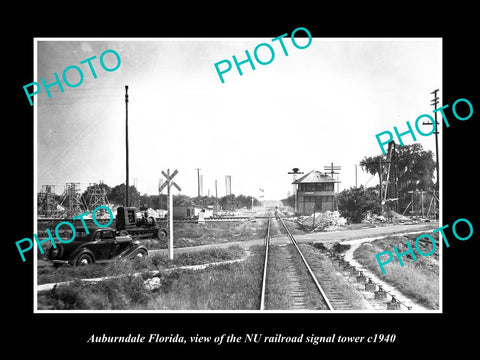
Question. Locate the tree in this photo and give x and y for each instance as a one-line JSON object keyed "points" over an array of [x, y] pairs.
{"points": [[117, 195], [102, 186], [227, 202], [180, 199], [415, 170], [354, 203], [230, 202]]}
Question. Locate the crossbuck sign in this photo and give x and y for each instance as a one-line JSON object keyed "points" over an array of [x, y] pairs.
{"points": [[168, 184]]}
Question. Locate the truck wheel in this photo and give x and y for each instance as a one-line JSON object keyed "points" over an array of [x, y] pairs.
{"points": [[162, 234], [141, 253], [84, 259]]}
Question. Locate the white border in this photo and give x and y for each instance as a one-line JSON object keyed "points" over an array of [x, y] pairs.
{"points": [[309, 312]]}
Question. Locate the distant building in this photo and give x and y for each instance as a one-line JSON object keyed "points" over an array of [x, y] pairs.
{"points": [[315, 192], [228, 185], [191, 211]]}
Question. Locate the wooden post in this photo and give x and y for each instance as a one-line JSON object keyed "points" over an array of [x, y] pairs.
{"points": [[380, 174], [422, 201], [170, 213], [216, 198], [168, 183], [127, 190]]}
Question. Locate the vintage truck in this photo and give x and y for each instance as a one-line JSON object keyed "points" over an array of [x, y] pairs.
{"points": [[126, 222]]}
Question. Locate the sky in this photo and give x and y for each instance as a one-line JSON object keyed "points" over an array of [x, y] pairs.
{"points": [[318, 105]]}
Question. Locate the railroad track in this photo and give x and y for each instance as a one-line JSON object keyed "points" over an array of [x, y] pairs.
{"points": [[324, 282], [337, 284]]}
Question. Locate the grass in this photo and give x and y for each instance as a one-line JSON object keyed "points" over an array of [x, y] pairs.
{"points": [[110, 294], [276, 295], [190, 234], [226, 287], [417, 279], [50, 274]]}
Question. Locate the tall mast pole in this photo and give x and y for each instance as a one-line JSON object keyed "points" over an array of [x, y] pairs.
{"points": [[126, 146]]}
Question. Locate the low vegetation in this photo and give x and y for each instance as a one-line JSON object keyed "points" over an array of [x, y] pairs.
{"points": [[49, 274], [417, 279], [192, 234], [226, 287]]}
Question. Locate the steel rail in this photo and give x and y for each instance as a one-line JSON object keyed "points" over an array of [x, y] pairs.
{"points": [[264, 280], [294, 241]]}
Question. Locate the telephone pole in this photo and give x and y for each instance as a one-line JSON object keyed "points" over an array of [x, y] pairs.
{"points": [[216, 198], [434, 102], [126, 145]]}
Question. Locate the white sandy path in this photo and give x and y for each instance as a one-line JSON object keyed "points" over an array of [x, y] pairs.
{"points": [[398, 295]]}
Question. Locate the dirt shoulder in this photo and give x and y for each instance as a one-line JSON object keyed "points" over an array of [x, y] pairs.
{"points": [[331, 236]]}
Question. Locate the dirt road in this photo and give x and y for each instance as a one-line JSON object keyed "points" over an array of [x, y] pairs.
{"points": [[332, 236]]}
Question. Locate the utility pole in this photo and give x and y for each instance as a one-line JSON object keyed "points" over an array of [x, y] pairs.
{"points": [[126, 145], [216, 198], [421, 193], [380, 174], [434, 102], [332, 169]]}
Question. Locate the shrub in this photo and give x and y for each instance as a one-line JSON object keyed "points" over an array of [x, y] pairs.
{"points": [[354, 203]]}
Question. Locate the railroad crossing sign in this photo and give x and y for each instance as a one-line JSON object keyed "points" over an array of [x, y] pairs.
{"points": [[169, 183]]}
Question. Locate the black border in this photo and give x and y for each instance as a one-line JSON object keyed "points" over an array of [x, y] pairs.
{"points": [[416, 333]]}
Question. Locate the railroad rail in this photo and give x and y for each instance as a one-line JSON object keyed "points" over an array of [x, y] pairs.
{"points": [[309, 269], [295, 290], [264, 280]]}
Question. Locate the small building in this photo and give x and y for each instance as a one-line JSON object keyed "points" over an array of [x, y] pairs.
{"points": [[191, 211], [183, 211], [315, 193]]}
